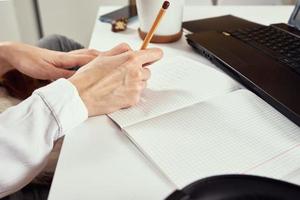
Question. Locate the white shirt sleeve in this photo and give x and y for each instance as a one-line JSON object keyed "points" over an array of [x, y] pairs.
{"points": [[28, 131]]}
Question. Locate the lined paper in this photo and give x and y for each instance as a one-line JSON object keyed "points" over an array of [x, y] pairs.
{"points": [[285, 166], [175, 83], [234, 133]]}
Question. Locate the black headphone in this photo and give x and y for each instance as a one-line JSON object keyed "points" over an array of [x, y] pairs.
{"points": [[237, 187]]}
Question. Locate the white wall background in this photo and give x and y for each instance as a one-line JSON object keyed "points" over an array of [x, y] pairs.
{"points": [[8, 22], [73, 18], [18, 21], [26, 19]]}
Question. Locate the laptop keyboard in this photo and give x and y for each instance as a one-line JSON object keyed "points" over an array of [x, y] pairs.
{"points": [[278, 44]]}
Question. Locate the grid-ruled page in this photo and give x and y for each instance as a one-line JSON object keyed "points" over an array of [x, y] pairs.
{"points": [[175, 83], [284, 166], [235, 133]]}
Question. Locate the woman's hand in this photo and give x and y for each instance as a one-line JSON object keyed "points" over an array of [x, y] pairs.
{"points": [[112, 82], [46, 64]]}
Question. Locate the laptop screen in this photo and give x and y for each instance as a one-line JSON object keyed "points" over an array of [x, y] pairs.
{"points": [[295, 17]]}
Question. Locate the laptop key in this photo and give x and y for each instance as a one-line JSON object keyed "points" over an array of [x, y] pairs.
{"points": [[278, 44]]}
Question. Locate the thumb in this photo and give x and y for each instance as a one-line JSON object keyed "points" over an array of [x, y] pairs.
{"points": [[57, 73], [119, 49], [66, 60]]}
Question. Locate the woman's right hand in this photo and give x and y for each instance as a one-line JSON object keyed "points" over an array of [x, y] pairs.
{"points": [[113, 82]]}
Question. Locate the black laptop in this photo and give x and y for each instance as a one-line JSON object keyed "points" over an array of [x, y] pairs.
{"points": [[266, 59]]}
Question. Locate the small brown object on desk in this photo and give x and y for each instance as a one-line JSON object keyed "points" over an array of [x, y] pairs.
{"points": [[151, 32], [119, 25]]}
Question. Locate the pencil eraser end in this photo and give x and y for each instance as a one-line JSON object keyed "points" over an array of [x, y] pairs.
{"points": [[166, 5]]}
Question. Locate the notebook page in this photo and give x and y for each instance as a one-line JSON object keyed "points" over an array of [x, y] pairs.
{"points": [[230, 134], [174, 84], [285, 166]]}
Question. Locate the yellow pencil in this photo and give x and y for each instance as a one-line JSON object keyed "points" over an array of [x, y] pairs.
{"points": [[151, 32]]}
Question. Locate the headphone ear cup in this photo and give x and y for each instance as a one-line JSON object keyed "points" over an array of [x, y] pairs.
{"points": [[178, 195], [236, 187]]}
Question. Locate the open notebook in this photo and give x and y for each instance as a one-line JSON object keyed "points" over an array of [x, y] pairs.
{"points": [[194, 121]]}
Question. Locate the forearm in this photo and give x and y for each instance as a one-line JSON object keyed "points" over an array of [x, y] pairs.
{"points": [[4, 64], [28, 131]]}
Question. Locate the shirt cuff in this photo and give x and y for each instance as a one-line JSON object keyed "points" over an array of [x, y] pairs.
{"points": [[65, 104]]}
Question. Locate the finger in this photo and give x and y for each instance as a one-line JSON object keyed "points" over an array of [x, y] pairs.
{"points": [[144, 84], [146, 74], [56, 73], [91, 52], [117, 60], [121, 48], [65, 60], [149, 55]]}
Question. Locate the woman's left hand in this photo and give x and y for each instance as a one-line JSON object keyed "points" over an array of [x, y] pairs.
{"points": [[42, 63]]}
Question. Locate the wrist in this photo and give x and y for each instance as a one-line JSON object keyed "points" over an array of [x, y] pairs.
{"points": [[81, 86], [5, 66], [68, 110]]}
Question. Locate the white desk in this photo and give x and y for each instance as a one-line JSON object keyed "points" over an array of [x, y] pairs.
{"points": [[97, 161]]}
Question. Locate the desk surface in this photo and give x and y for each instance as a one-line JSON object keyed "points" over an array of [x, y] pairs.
{"points": [[97, 161]]}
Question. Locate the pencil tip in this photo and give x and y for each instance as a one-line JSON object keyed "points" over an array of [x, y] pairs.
{"points": [[166, 5]]}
